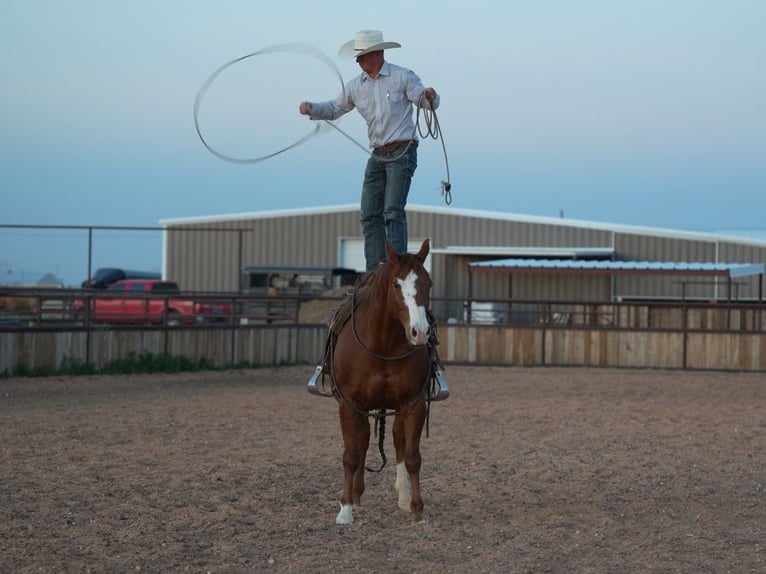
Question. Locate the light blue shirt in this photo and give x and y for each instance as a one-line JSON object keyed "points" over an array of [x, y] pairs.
{"points": [[385, 102]]}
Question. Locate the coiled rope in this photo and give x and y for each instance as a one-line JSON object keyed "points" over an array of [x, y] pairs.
{"points": [[434, 131]]}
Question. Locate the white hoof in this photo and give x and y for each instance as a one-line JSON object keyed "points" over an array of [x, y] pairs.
{"points": [[346, 514]]}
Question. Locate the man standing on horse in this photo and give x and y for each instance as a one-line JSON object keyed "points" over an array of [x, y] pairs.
{"points": [[384, 95]]}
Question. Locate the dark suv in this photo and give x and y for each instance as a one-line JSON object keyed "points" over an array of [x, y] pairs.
{"points": [[105, 276]]}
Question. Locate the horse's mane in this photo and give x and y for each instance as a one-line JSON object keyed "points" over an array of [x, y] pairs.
{"points": [[375, 285], [370, 288]]}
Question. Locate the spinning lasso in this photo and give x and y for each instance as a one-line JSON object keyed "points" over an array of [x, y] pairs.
{"points": [[432, 122], [281, 48]]}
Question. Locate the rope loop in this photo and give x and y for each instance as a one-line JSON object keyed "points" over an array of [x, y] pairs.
{"points": [[280, 48], [432, 127]]}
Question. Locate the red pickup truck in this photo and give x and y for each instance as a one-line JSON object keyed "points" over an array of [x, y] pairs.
{"points": [[142, 301]]}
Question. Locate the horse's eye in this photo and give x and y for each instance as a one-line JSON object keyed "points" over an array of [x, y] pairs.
{"points": [[397, 284]]}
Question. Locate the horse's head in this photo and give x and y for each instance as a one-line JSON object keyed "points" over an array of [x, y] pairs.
{"points": [[410, 296]]}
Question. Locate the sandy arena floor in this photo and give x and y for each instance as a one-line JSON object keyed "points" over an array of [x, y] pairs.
{"points": [[525, 470]]}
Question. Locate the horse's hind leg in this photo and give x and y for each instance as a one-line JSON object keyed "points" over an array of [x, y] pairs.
{"points": [[356, 437], [407, 430]]}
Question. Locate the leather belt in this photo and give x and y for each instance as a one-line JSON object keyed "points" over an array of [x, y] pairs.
{"points": [[393, 146]]}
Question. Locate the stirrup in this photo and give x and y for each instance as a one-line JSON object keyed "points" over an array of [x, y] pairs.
{"points": [[318, 389], [443, 393]]}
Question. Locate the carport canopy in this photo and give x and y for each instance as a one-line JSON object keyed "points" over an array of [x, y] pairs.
{"points": [[728, 271]]}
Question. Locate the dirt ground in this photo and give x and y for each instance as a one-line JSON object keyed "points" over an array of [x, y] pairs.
{"points": [[525, 470]]}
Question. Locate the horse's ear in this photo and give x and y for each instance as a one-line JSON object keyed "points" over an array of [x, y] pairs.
{"points": [[424, 249], [390, 251]]}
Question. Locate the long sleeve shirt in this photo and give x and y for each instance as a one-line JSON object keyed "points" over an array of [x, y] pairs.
{"points": [[385, 102]]}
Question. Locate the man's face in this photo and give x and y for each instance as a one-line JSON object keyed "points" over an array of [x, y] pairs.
{"points": [[371, 62]]}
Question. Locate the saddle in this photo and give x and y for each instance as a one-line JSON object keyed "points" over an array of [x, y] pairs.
{"points": [[437, 389]]}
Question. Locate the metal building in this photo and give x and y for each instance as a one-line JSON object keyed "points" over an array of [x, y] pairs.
{"points": [[209, 253]]}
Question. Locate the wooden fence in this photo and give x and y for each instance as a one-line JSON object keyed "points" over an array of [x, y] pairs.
{"points": [[498, 345], [39, 330], [557, 345]]}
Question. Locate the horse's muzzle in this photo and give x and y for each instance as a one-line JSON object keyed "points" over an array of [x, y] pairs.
{"points": [[418, 337]]}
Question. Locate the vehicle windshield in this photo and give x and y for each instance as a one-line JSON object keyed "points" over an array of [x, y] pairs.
{"points": [[164, 288]]}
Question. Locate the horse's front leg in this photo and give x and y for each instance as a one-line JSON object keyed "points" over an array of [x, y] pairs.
{"points": [[408, 428], [356, 438], [402, 483]]}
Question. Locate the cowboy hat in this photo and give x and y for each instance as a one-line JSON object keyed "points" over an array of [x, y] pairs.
{"points": [[365, 42]]}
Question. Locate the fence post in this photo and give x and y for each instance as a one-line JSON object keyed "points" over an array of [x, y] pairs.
{"points": [[685, 338]]}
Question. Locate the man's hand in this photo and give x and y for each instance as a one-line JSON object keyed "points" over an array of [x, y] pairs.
{"points": [[305, 108]]}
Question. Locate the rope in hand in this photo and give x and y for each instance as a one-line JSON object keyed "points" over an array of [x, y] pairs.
{"points": [[433, 130]]}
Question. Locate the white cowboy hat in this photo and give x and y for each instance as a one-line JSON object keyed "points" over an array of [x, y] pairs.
{"points": [[365, 42]]}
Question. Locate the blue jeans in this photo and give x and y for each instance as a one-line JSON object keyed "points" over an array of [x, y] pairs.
{"points": [[384, 196]]}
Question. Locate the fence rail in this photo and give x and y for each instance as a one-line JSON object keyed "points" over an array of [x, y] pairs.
{"points": [[705, 336]]}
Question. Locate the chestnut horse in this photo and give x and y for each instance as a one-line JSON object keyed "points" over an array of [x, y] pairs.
{"points": [[382, 361]]}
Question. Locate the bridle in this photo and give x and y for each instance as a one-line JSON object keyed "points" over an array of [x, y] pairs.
{"points": [[365, 347]]}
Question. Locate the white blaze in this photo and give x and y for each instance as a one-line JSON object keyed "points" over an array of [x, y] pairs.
{"points": [[417, 333]]}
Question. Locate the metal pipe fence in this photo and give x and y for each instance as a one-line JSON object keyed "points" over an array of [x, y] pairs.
{"points": [[45, 308], [46, 327]]}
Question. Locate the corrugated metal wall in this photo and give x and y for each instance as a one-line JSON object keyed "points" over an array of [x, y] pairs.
{"points": [[732, 252], [201, 260], [211, 260], [639, 247]]}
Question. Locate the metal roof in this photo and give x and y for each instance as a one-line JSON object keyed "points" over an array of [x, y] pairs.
{"points": [[730, 270], [511, 251], [298, 269], [451, 210]]}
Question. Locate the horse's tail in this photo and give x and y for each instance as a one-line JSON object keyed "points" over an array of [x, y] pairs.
{"points": [[380, 430]]}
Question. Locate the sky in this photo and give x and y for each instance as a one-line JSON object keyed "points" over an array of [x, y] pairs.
{"points": [[641, 113]]}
